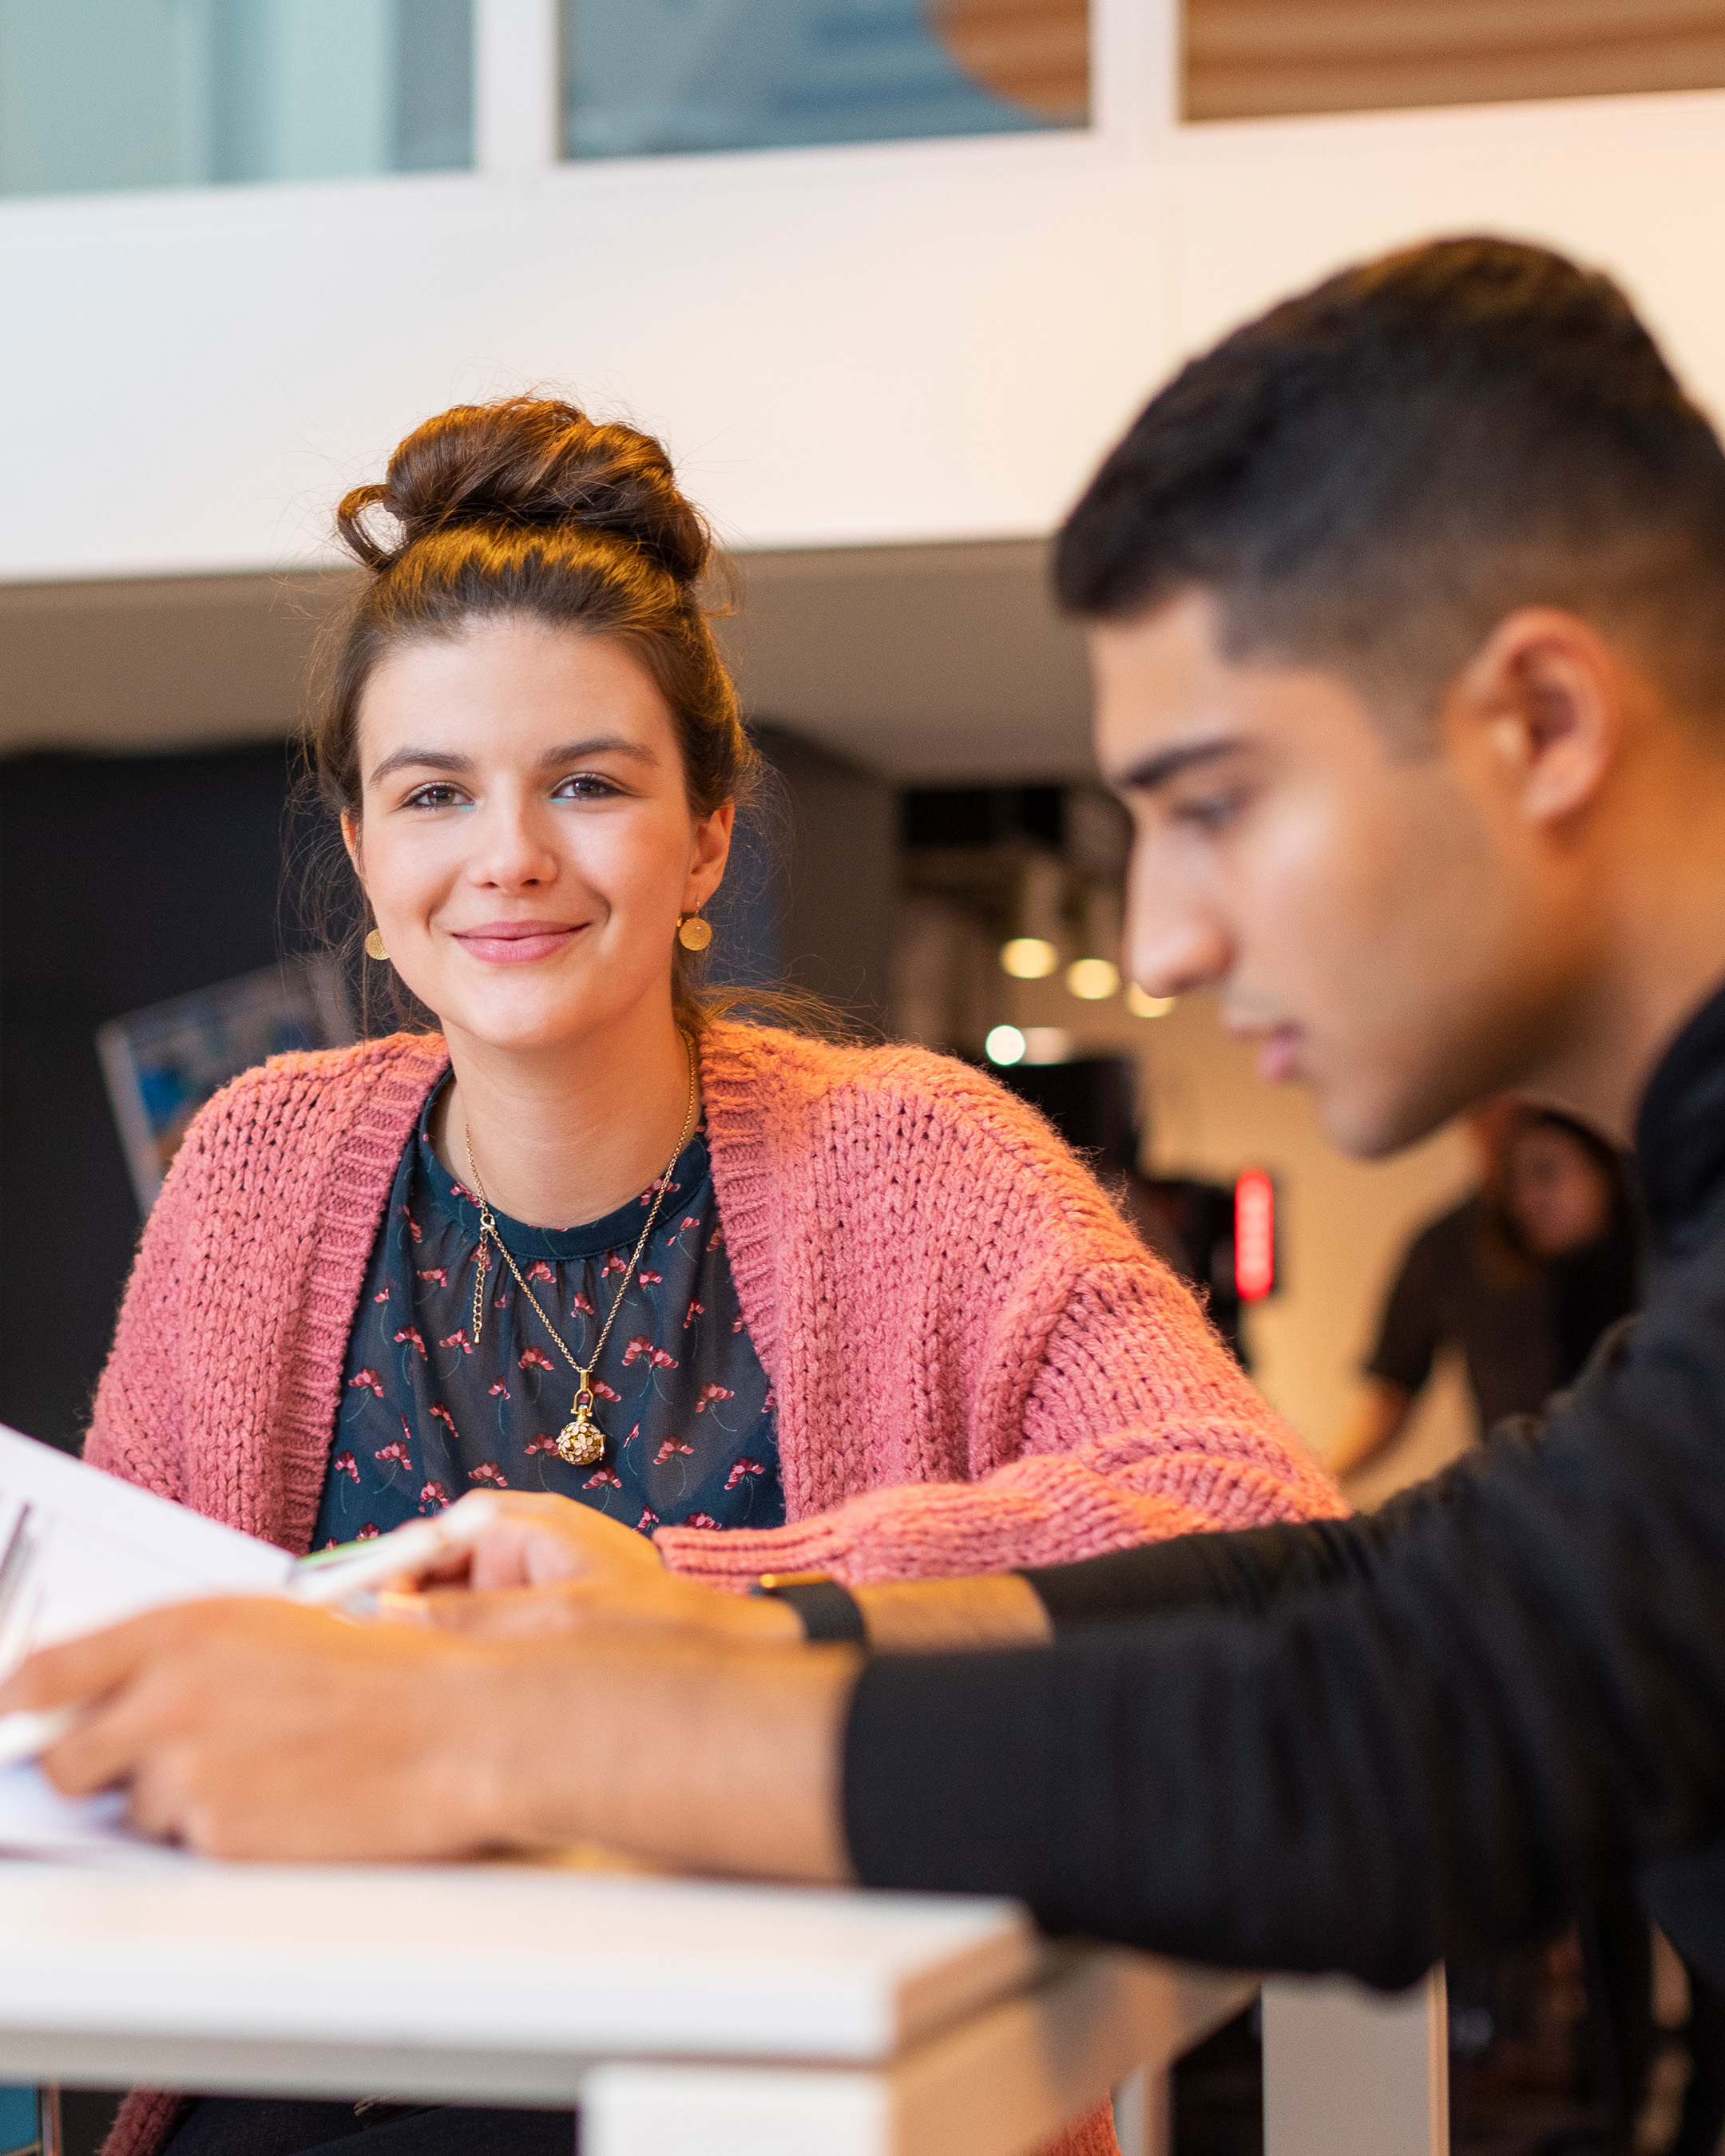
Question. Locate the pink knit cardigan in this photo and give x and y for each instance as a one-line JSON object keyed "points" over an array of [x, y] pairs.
{"points": [[978, 1365]]}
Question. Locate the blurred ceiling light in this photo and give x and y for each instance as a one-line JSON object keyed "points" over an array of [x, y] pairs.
{"points": [[1047, 1043], [1092, 980], [1029, 958], [1143, 1006], [1005, 1044]]}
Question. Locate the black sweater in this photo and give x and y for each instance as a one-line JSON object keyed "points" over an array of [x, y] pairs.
{"points": [[1371, 1743]]}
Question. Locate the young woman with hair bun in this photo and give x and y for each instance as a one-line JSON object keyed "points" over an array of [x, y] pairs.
{"points": [[756, 1302]]}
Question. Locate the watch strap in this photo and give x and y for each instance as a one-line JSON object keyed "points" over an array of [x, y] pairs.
{"points": [[828, 1610]]}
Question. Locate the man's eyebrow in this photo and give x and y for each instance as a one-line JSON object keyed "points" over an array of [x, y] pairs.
{"points": [[1169, 764], [411, 758]]}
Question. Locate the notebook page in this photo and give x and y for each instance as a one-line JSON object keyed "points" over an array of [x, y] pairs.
{"points": [[80, 1550]]}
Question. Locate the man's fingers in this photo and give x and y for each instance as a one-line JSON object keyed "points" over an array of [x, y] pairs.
{"points": [[99, 1750], [507, 1613], [155, 1803], [88, 1668]]}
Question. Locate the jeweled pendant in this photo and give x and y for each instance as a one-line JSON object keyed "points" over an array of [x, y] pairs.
{"points": [[581, 1442]]}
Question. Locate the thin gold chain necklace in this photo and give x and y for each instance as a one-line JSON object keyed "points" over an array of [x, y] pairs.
{"points": [[580, 1441]]}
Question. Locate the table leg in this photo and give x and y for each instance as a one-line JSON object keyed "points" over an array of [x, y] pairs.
{"points": [[1351, 2072], [1142, 2113]]}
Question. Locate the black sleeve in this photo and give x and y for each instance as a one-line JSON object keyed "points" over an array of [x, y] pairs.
{"points": [[1413, 1326], [1243, 1570], [1510, 1683]]}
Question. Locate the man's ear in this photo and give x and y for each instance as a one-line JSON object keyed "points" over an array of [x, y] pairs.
{"points": [[1545, 694]]}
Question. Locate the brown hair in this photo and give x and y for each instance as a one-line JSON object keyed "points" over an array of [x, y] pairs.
{"points": [[527, 507], [1369, 477]]}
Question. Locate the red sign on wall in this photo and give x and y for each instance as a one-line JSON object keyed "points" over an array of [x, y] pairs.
{"points": [[1254, 1236]]}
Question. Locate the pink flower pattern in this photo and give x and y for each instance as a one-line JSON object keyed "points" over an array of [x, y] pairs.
{"points": [[679, 1393]]}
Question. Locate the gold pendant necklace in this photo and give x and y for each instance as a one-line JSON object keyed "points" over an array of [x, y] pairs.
{"points": [[581, 1442]]}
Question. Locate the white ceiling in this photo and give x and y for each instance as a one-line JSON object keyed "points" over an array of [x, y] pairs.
{"points": [[922, 663]]}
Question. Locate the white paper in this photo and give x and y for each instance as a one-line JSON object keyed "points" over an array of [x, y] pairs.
{"points": [[94, 1550], [36, 1820], [80, 1550]]}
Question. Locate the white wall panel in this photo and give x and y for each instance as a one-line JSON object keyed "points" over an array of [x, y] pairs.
{"points": [[912, 341]]}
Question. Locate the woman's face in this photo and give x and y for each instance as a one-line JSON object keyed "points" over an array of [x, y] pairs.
{"points": [[1559, 1198], [525, 839]]}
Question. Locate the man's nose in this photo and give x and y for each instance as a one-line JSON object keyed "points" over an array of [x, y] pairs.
{"points": [[1171, 951]]}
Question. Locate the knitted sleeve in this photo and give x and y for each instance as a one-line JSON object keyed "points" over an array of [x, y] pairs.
{"points": [[138, 1427], [1137, 1425]]}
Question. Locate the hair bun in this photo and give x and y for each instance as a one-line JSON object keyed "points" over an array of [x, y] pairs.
{"points": [[527, 461]]}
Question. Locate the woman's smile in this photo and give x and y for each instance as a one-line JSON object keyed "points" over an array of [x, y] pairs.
{"points": [[517, 942]]}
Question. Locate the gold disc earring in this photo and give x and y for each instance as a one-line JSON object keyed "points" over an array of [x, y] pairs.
{"points": [[694, 933], [374, 947]]}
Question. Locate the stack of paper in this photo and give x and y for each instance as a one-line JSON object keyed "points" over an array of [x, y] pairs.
{"points": [[80, 1550]]}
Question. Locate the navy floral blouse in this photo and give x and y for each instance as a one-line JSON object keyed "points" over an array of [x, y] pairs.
{"points": [[427, 1413]]}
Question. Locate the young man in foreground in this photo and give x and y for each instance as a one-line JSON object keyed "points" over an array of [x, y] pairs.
{"points": [[1408, 608]]}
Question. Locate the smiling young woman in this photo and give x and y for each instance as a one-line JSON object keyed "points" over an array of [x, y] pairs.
{"points": [[775, 1302]]}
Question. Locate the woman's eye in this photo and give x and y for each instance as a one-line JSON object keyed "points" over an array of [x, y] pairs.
{"points": [[438, 795], [585, 786]]}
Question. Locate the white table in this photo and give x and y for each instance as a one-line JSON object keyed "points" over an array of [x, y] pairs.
{"points": [[685, 2019]]}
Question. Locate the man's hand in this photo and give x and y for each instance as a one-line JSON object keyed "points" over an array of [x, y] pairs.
{"points": [[546, 1565], [260, 1729], [248, 1728], [532, 1539]]}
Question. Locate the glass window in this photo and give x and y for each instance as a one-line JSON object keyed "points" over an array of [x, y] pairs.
{"points": [[184, 93], [641, 76], [1245, 60]]}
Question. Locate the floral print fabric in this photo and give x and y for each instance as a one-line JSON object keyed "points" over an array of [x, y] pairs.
{"points": [[427, 1412]]}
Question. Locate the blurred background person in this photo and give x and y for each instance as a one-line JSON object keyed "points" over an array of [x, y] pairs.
{"points": [[1519, 1280]]}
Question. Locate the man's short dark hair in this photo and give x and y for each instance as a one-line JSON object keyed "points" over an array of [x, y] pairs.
{"points": [[1372, 475]]}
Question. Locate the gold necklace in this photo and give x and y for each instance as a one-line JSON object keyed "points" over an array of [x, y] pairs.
{"points": [[580, 1441]]}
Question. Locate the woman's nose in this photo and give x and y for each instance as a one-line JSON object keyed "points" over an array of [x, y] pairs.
{"points": [[513, 849]]}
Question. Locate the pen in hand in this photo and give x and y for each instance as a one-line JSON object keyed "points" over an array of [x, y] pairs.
{"points": [[330, 1577], [28, 1732]]}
